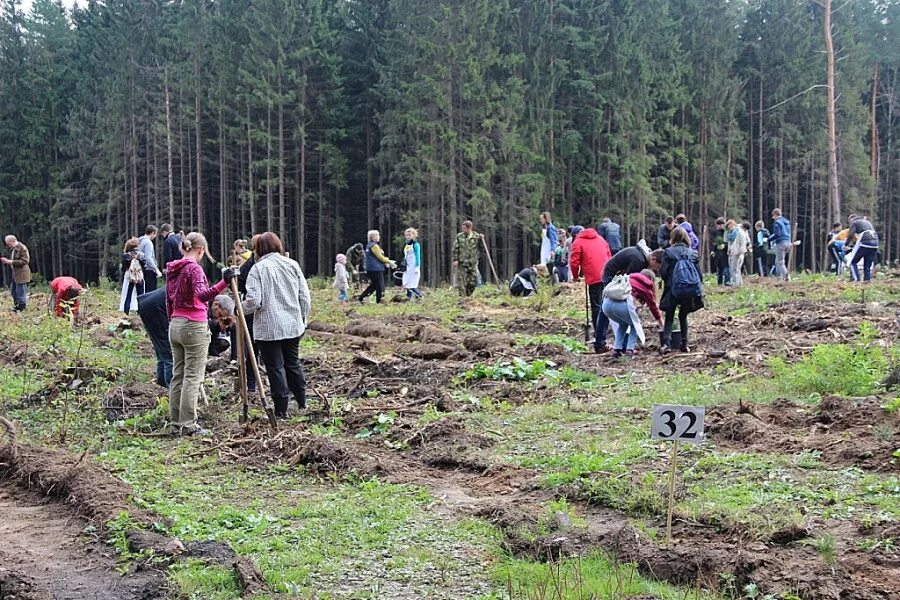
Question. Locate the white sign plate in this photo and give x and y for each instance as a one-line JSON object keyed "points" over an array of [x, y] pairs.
{"points": [[682, 423]]}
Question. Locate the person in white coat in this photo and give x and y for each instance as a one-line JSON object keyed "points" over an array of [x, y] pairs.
{"points": [[738, 244], [412, 254]]}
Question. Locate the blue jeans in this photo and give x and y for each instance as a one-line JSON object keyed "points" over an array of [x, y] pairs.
{"points": [[163, 351], [343, 295], [866, 254], [619, 312], [781, 251], [20, 295]]}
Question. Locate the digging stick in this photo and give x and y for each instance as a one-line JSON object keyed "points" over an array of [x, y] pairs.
{"points": [[270, 412], [242, 368], [672, 460], [490, 261]]}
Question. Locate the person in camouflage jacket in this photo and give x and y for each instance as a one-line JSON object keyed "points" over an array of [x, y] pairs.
{"points": [[466, 251]]}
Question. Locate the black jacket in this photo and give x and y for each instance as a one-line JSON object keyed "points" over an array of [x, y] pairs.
{"points": [[152, 311], [625, 262], [244, 273], [662, 236], [171, 248]]}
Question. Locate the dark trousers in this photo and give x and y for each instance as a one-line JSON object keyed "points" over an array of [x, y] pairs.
{"points": [[251, 376], [723, 273], [600, 321], [149, 281], [376, 285], [866, 254], [138, 289], [20, 295], [669, 321], [163, 351], [282, 360]]}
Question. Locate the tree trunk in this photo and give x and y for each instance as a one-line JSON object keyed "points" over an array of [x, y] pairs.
{"points": [[282, 217], [874, 152], [169, 152], [834, 196], [250, 185], [199, 138], [270, 209]]}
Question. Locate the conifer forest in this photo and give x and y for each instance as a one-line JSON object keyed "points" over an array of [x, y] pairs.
{"points": [[321, 119]]}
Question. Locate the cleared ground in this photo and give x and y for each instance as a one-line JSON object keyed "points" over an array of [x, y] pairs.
{"points": [[475, 450]]}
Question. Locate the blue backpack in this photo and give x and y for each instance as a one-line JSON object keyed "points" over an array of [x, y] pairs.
{"points": [[685, 277]]}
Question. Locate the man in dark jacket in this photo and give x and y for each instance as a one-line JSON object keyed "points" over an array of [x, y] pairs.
{"points": [[718, 251], [152, 311], [356, 257], [590, 254], [171, 244], [630, 260], [612, 233], [665, 232], [525, 283]]}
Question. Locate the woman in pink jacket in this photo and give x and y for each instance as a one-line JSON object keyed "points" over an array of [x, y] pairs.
{"points": [[187, 295]]}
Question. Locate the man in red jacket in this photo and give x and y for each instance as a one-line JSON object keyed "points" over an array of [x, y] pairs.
{"points": [[64, 295], [589, 255]]}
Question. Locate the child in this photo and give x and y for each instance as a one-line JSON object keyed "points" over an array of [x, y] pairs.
{"points": [[412, 254], [341, 280], [561, 258]]}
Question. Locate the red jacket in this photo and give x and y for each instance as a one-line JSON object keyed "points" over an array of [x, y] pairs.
{"points": [[589, 255], [644, 290], [59, 286]]}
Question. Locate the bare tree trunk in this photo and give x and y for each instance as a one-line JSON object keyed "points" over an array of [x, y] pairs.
{"points": [[370, 176], [874, 154], [833, 189], [270, 209], [282, 217], [301, 197], [759, 154], [169, 151], [199, 138], [250, 186], [223, 215]]}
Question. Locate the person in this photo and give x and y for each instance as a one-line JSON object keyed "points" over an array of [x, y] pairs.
{"points": [[748, 256], [682, 286], [376, 264], [278, 298], [171, 244], [341, 278], [239, 253], [19, 261], [719, 252], [243, 275], [222, 327], [630, 260], [133, 269], [664, 231], [356, 256], [152, 311], [738, 243], [525, 282], [837, 242], [412, 254], [764, 252], [865, 247], [612, 233], [590, 255], [622, 313], [187, 293], [561, 257], [682, 222], [145, 247], [549, 238], [781, 240], [64, 293], [466, 250]]}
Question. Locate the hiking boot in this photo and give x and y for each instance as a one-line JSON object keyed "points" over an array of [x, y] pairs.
{"points": [[685, 348], [617, 354], [195, 430], [664, 349], [602, 350]]}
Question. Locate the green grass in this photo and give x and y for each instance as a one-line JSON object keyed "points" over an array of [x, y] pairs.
{"points": [[842, 369]]}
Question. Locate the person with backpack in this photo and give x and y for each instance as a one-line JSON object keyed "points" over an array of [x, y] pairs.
{"points": [[718, 247], [781, 240], [590, 255], [612, 233], [133, 268], [865, 247], [682, 222], [620, 299], [682, 287]]}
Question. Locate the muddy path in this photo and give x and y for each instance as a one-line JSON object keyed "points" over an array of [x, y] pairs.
{"points": [[45, 553]]}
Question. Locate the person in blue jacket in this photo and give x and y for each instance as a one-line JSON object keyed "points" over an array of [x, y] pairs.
{"points": [[781, 240], [612, 233]]}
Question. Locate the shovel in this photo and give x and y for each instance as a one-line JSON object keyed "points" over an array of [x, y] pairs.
{"points": [[242, 326]]}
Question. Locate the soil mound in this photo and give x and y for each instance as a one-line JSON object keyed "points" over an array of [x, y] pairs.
{"points": [[369, 329], [426, 333], [123, 402], [488, 342], [426, 351]]}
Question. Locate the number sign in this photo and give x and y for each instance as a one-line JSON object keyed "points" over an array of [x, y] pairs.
{"points": [[681, 423]]}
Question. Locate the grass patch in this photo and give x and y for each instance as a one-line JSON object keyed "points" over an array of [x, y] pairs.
{"points": [[845, 370]]}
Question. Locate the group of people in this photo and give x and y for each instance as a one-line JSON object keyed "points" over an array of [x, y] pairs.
{"points": [[855, 244], [187, 317], [371, 260]]}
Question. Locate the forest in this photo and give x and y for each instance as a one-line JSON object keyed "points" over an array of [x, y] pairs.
{"points": [[320, 119]]}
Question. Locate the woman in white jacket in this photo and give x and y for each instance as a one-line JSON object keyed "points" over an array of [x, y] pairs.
{"points": [[738, 244]]}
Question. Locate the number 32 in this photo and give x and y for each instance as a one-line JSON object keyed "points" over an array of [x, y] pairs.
{"points": [[670, 422]]}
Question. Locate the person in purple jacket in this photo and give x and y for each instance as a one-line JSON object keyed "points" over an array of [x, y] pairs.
{"points": [[681, 221]]}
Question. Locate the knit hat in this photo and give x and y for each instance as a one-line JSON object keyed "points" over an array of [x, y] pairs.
{"points": [[341, 259]]}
